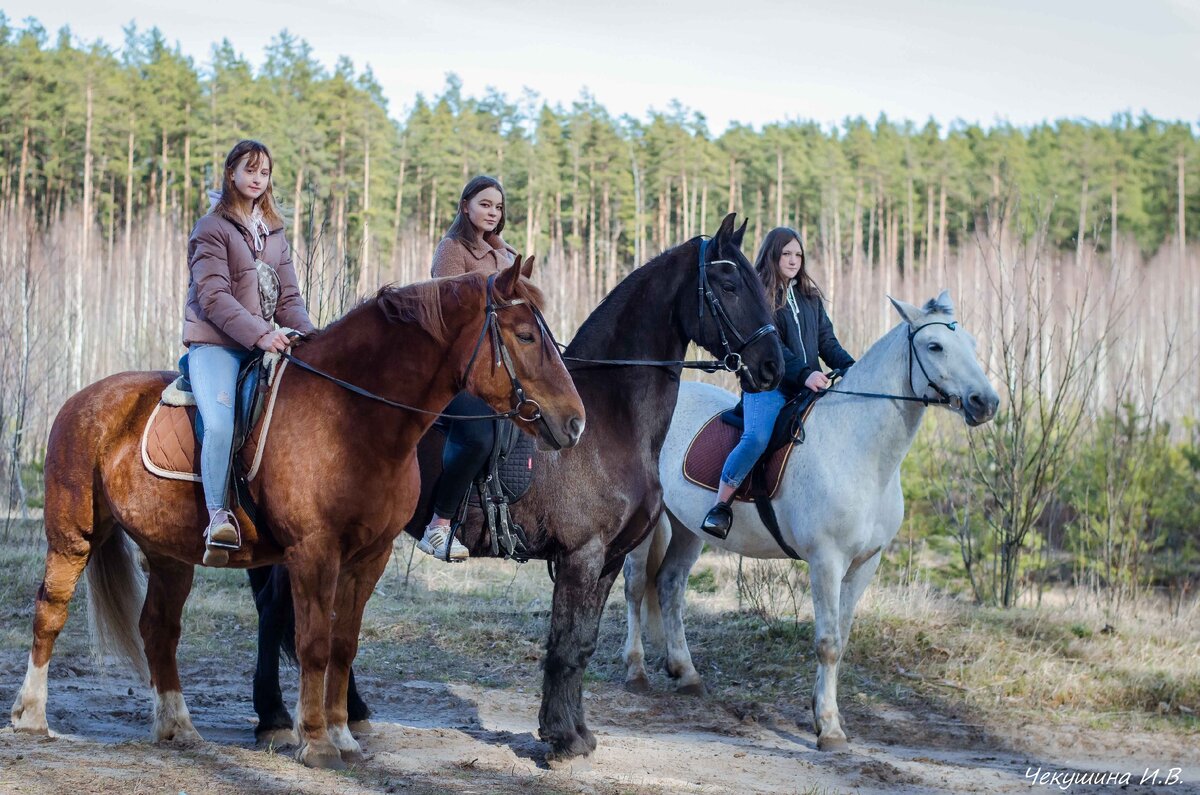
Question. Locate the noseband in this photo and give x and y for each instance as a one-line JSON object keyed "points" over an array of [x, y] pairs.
{"points": [[705, 296]]}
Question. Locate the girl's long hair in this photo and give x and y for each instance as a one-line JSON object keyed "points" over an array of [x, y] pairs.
{"points": [[767, 265], [461, 228], [232, 204]]}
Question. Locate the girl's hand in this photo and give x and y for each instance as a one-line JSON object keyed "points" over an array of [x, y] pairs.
{"points": [[817, 381], [274, 341]]}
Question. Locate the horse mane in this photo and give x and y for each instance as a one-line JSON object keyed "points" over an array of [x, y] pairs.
{"points": [[932, 307], [421, 302]]}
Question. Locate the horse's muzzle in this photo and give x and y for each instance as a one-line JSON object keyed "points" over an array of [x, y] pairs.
{"points": [[979, 407]]}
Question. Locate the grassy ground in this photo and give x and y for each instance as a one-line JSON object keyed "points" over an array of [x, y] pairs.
{"points": [[485, 623]]}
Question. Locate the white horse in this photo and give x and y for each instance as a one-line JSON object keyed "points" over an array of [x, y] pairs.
{"points": [[839, 504]]}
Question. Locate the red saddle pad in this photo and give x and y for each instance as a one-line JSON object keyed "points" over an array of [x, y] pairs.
{"points": [[711, 446]]}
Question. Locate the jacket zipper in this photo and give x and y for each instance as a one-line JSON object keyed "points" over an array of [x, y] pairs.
{"points": [[791, 299]]}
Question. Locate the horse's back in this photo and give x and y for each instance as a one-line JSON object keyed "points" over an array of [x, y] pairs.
{"points": [[108, 407], [697, 402]]}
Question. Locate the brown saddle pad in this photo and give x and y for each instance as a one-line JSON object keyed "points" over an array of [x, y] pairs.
{"points": [[711, 446], [171, 450]]}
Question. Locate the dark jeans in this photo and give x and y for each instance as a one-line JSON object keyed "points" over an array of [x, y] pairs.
{"points": [[468, 445]]}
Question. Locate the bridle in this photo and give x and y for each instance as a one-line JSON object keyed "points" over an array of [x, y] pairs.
{"points": [[944, 398], [732, 360], [526, 410], [705, 295]]}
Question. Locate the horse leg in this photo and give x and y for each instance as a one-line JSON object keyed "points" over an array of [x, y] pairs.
{"points": [[65, 562], [826, 572], [170, 582], [355, 586], [853, 585], [314, 576], [682, 554], [636, 680], [579, 596], [273, 598]]}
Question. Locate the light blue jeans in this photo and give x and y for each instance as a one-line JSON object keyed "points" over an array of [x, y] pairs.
{"points": [[760, 410], [214, 370]]}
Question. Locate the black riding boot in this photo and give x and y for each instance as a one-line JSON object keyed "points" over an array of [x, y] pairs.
{"points": [[719, 519]]}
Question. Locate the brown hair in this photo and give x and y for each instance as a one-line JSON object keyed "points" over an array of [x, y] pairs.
{"points": [[767, 265], [461, 228], [232, 204]]}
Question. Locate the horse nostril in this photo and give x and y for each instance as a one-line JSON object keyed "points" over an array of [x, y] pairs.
{"points": [[769, 370], [575, 427]]}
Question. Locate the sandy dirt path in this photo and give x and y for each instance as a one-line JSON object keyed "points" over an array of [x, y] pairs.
{"points": [[435, 737]]}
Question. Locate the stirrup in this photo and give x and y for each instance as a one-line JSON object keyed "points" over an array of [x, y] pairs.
{"points": [[211, 543]]}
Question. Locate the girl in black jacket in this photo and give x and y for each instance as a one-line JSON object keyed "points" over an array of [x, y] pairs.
{"points": [[806, 333]]}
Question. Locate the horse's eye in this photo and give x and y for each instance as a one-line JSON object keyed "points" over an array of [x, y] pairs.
{"points": [[727, 287], [936, 347], [525, 337]]}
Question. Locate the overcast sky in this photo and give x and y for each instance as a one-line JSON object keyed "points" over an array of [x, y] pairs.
{"points": [[750, 61]]}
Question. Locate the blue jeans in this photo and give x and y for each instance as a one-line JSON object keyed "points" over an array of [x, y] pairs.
{"points": [[760, 410], [214, 370]]}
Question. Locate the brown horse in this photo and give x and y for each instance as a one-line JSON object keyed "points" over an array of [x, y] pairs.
{"points": [[336, 485]]}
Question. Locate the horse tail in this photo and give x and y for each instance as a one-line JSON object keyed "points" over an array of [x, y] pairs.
{"points": [[660, 539], [116, 592]]}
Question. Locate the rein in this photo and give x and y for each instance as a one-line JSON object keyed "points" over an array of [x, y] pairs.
{"points": [[943, 399], [491, 324], [731, 362]]}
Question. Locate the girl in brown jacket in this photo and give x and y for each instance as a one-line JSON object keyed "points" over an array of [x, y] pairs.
{"points": [[240, 280], [472, 243]]}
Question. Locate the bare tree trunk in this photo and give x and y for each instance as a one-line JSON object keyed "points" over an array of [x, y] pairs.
{"points": [[909, 221], [398, 217], [1181, 233], [778, 186], [1112, 220], [856, 239], [129, 198], [364, 270], [928, 226], [298, 250], [871, 228], [942, 230], [1083, 198], [21, 170], [639, 243], [732, 182]]}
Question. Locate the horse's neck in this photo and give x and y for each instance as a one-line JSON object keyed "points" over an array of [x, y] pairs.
{"points": [[878, 429], [368, 351], [637, 320]]}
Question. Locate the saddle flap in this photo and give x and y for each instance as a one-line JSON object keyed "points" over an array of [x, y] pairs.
{"points": [[705, 458]]}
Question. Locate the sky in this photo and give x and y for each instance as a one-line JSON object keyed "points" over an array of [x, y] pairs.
{"points": [[750, 61]]}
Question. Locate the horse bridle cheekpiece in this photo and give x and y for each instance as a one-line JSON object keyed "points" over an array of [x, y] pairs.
{"points": [[946, 399], [527, 409], [732, 361]]}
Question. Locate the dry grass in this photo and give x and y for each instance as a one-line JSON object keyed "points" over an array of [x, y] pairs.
{"points": [[912, 648]]}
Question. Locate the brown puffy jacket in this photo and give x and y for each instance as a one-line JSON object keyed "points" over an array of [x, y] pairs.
{"points": [[453, 257], [222, 302]]}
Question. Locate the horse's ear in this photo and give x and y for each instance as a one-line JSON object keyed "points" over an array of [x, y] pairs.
{"points": [[725, 229], [506, 282], [941, 304], [527, 267], [908, 313], [740, 234]]}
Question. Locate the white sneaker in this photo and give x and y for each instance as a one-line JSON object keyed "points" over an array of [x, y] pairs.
{"points": [[434, 543]]}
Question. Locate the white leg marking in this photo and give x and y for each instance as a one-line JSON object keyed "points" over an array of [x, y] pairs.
{"points": [[172, 722], [343, 740], [29, 709]]}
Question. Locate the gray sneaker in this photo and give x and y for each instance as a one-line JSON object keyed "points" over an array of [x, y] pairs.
{"points": [[434, 543]]}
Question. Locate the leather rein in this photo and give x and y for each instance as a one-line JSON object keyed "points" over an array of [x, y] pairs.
{"points": [[526, 410], [732, 360]]}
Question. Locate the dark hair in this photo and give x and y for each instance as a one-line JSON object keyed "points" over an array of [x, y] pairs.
{"points": [[461, 228], [767, 265], [232, 204]]}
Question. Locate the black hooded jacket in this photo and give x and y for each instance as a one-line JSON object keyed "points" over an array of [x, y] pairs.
{"points": [[806, 333]]}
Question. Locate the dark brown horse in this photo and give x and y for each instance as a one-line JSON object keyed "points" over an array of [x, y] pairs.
{"points": [[337, 483], [591, 505]]}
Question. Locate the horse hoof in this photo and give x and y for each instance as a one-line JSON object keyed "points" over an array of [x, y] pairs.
{"points": [[360, 727], [353, 757], [568, 764], [276, 738], [694, 689], [588, 738], [37, 729], [638, 684], [833, 744], [325, 756], [184, 737]]}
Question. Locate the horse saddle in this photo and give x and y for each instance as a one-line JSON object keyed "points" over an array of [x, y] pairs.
{"points": [[171, 439], [503, 480], [705, 457]]}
